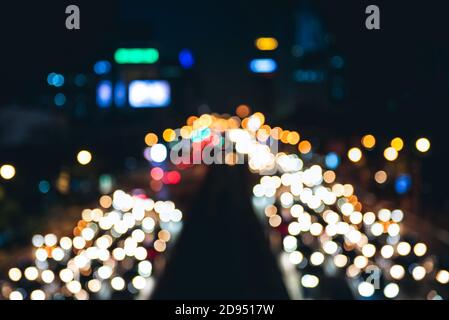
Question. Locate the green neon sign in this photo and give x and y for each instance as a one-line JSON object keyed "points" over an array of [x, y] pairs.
{"points": [[136, 55]]}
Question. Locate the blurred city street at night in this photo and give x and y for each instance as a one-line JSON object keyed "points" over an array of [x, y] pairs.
{"points": [[268, 150]]}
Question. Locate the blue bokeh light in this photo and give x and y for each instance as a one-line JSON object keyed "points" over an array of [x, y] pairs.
{"points": [[263, 65], [102, 67], [55, 79], [186, 59], [120, 94], [403, 183], [50, 78], [104, 94], [60, 99], [332, 160], [44, 186]]}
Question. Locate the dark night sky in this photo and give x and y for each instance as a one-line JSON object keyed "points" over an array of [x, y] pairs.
{"points": [[34, 41], [406, 61]]}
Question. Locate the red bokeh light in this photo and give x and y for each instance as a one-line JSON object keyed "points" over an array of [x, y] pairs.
{"points": [[172, 177], [157, 173]]}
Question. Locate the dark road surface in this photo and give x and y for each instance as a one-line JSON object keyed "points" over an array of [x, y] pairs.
{"points": [[222, 252]]}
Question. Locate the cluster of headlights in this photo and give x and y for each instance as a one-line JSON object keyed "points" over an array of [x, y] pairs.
{"points": [[112, 252]]}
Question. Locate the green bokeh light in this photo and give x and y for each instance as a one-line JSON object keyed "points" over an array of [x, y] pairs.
{"points": [[136, 56]]}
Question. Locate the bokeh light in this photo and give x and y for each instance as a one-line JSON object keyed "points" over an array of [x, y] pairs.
{"points": [[355, 154], [369, 141], [390, 154], [7, 171], [84, 157], [397, 143], [422, 145]]}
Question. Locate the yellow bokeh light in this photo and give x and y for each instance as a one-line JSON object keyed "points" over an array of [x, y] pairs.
{"points": [[169, 135], [7, 171], [397, 143], [204, 121], [355, 154], [267, 128], [284, 136], [151, 139], [422, 144], [390, 154], [293, 137], [442, 276], [266, 43], [84, 157], [260, 116], [368, 141], [304, 147], [186, 132]]}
